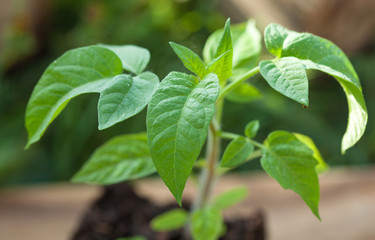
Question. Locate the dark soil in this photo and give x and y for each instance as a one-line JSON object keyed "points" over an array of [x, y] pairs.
{"points": [[119, 212]]}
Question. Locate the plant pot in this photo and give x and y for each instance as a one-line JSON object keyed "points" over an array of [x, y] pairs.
{"points": [[120, 212]]}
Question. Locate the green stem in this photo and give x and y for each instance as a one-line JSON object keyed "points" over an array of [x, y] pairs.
{"points": [[228, 135], [236, 83]]}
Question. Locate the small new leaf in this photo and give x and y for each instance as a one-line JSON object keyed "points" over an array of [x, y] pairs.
{"points": [[217, 45], [292, 164], [230, 198], [178, 117], [168, 221], [190, 59], [287, 76], [252, 128], [206, 224], [121, 158], [237, 152]]}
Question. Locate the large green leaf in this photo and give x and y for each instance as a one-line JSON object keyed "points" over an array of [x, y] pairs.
{"points": [[291, 163], [124, 96], [321, 54], [237, 152], [190, 59], [206, 224], [78, 71], [171, 220], [134, 59], [178, 117], [121, 158], [287, 75]]}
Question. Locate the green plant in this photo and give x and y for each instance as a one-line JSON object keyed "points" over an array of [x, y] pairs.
{"points": [[184, 110]]}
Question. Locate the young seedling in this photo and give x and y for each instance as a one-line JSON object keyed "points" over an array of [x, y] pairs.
{"points": [[185, 111]]}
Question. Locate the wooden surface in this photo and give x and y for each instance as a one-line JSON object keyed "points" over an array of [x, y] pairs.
{"points": [[347, 207]]}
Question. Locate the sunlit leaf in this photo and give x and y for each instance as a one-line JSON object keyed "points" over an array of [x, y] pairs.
{"points": [[78, 71], [178, 117], [321, 54], [287, 76], [292, 164], [322, 165]]}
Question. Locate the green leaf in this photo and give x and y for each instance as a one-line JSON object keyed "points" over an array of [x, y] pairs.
{"points": [[287, 76], [322, 165], [246, 41], [190, 59], [230, 198], [125, 96], [321, 54], [122, 158], [244, 93], [206, 224], [168, 221], [237, 152], [178, 117], [246, 48], [134, 59], [78, 71], [252, 128], [291, 163], [216, 45]]}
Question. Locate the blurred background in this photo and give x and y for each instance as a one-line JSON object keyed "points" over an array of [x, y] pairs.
{"points": [[35, 32]]}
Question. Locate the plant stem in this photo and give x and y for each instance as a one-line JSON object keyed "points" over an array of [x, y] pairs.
{"points": [[228, 135]]}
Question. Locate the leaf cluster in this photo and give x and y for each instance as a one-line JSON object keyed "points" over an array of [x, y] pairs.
{"points": [[186, 109]]}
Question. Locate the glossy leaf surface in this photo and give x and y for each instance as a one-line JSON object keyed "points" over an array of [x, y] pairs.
{"points": [[78, 71], [287, 76], [121, 158], [178, 118], [124, 96], [292, 164], [321, 54]]}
